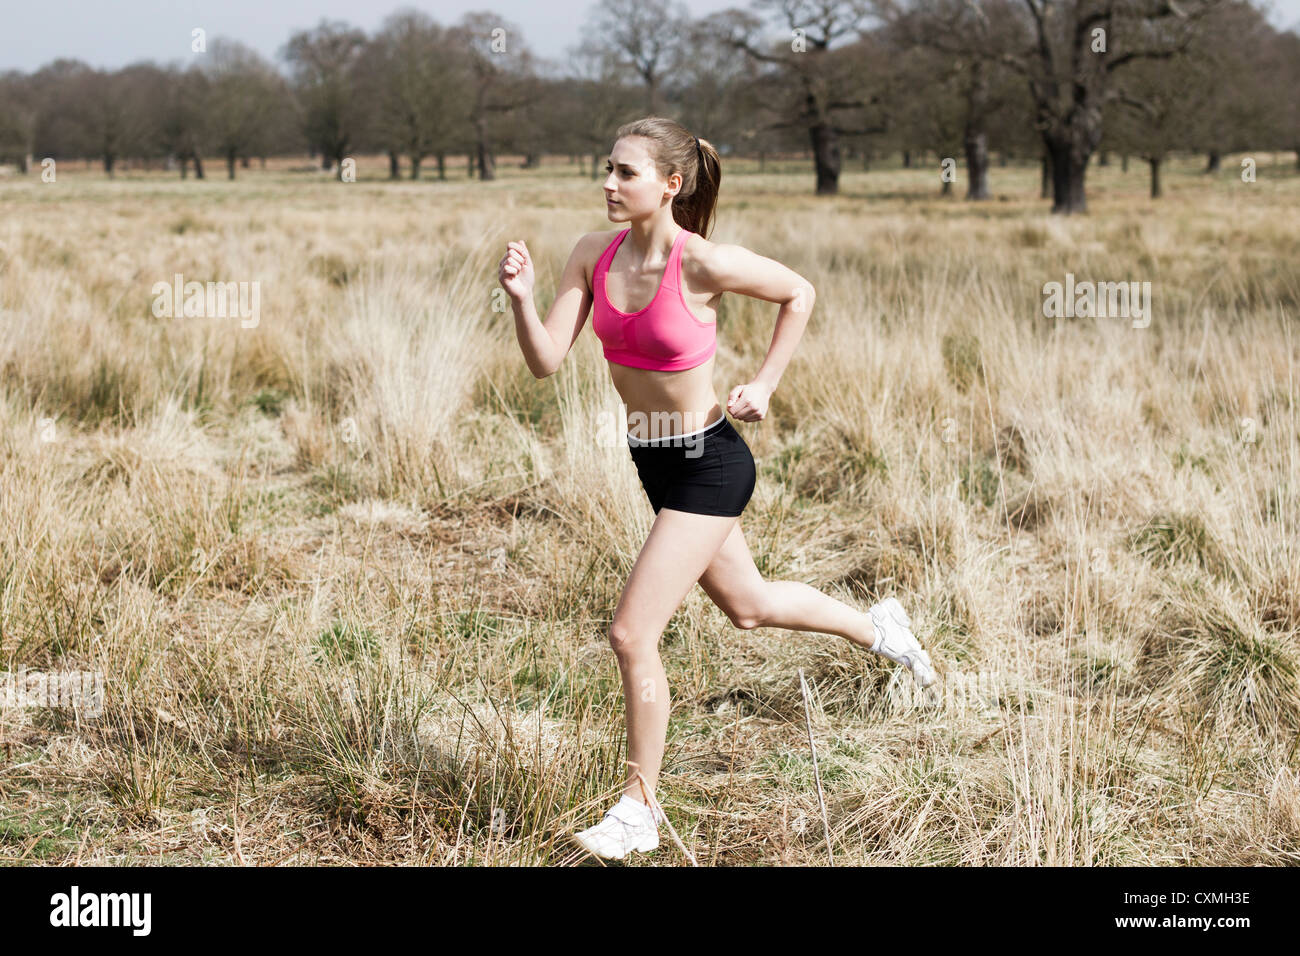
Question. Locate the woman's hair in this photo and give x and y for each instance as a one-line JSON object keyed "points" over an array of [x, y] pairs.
{"points": [[672, 147]]}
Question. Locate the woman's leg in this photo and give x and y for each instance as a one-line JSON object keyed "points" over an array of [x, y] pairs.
{"points": [[678, 549], [733, 583]]}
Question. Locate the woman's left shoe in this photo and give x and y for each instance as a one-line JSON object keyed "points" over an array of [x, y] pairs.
{"points": [[896, 641]]}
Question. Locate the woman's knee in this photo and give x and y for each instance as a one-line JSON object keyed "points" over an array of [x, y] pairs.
{"points": [[627, 642], [750, 613]]}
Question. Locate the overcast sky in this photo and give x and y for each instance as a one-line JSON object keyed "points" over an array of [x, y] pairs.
{"points": [[112, 33]]}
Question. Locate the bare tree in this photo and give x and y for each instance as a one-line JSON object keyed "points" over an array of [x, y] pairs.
{"points": [[409, 78], [242, 96], [323, 61], [1069, 51], [713, 87], [596, 101], [823, 82], [105, 106], [1229, 81], [19, 111], [499, 67], [185, 121], [975, 35], [646, 36], [1284, 56], [1154, 121]]}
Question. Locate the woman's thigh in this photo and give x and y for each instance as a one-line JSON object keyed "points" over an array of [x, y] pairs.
{"points": [[677, 551], [733, 582]]}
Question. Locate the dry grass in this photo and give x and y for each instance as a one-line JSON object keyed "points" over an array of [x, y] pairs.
{"points": [[348, 574]]}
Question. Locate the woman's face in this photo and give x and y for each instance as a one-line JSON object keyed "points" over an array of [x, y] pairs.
{"points": [[633, 182]]}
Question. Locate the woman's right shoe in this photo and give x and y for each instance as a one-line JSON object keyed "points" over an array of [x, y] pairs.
{"points": [[626, 826], [896, 641]]}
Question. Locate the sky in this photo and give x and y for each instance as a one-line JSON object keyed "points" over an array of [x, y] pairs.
{"points": [[112, 33]]}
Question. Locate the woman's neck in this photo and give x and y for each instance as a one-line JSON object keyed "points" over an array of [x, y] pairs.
{"points": [[651, 235]]}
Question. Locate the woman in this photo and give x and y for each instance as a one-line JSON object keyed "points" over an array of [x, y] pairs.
{"points": [[655, 288]]}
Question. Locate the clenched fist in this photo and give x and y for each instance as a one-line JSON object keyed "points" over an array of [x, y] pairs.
{"points": [[516, 271]]}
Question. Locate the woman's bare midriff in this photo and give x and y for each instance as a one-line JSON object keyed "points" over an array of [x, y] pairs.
{"points": [[661, 404]]}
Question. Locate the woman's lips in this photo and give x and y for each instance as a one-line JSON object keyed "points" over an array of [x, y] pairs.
{"points": [[611, 202]]}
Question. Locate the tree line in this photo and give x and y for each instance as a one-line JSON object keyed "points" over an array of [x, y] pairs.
{"points": [[1053, 81]]}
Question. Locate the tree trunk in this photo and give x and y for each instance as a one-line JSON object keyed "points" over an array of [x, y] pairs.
{"points": [[198, 164], [1212, 161], [184, 164], [975, 137], [1154, 163], [487, 167], [1069, 166], [907, 159], [324, 159], [1123, 162], [977, 164], [470, 163], [415, 165], [1103, 158], [826, 158], [244, 161], [1045, 190], [394, 165], [230, 164], [109, 159], [442, 166]]}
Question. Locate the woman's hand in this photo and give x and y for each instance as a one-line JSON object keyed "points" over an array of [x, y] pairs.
{"points": [[748, 402], [515, 272]]}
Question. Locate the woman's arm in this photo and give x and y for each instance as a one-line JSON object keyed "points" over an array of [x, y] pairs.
{"points": [[541, 341], [728, 268]]}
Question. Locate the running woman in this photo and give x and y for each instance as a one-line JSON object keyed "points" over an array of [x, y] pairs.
{"points": [[655, 288]]}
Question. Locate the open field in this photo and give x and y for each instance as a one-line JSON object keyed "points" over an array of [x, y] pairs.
{"points": [[348, 572]]}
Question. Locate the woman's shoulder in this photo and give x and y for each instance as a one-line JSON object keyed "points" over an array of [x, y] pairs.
{"points": [[701, 258], [590, 247]]}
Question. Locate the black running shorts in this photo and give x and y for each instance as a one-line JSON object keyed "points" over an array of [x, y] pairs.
{"points": [[707, 472]]}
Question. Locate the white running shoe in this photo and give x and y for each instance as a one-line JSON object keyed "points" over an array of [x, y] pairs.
{"points": [[896, 641], [629, 825]]}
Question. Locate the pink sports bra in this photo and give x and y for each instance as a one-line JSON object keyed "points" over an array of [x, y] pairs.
{"points": [[665, 335]]}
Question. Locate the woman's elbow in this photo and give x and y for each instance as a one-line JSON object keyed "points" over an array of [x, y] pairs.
{"points": [[804, 297]]}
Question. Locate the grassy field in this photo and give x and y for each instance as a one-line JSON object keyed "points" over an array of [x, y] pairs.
{"points": [[348, 573]]}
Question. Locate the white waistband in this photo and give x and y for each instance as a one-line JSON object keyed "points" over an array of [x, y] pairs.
{"points": [[664, 438]]}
